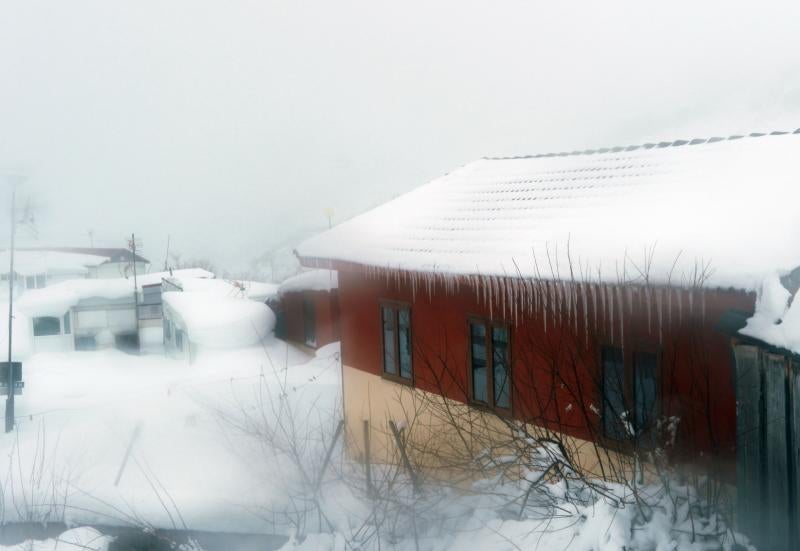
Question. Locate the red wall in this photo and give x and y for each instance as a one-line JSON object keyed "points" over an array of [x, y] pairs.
{"points": [[557, 367], [326, 306]]}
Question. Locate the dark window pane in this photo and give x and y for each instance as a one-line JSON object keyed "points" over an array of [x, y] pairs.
{"points": [[404, 332], [67, 324], [387, 315], [41, 281], [502, 384], [46, 326], [30, 282], [646, 396], [477, 334], [614, 410]]}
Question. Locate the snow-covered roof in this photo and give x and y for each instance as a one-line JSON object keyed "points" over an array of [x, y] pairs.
{"points": [[221, 321], [254, 290], [310, 280], [776, 320], [52, 262], [57, 299], [667, 209]]}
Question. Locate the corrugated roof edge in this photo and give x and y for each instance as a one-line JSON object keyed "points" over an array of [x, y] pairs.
{"points": [[617, 149]]}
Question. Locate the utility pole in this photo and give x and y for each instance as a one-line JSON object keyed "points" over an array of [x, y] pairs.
{"points": [[135, 284], [166, 257], [10, 398]]}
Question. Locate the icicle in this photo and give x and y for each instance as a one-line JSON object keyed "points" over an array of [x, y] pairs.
{"points": [[659, 308], [585, 300], [703, 305], [602, 291], [610, 299], [574, 288], [629, 297], [669, 293], [621, 318], [544, 302]]}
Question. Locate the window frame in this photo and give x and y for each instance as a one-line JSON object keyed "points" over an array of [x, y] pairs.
{"points": [[489, 324], [395, 306], [629, 352], [58, 320]]}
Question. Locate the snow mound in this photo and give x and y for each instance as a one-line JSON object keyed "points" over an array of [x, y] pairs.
{"points": [[255, 290], [221, 321], [311, 280], [776, 320]]}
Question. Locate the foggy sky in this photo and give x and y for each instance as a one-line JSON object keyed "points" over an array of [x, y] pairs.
{"points": [[231, 125]]}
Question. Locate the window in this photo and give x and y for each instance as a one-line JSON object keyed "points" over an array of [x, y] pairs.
{"points": [[614, 410], [309, 321], [86, 342], [167, 329], [30, 282], [490, 368], [67, 324], [396, 325], [151, 294], [45, 326], [41, 281], [620, 420], [646, 393], [178, 339]]}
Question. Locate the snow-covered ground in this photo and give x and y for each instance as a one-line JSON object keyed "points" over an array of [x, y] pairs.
{"points": [[81, 412], [200, 459]]}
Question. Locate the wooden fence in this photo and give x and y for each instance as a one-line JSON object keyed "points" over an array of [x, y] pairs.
{"points": [[768, 446]]}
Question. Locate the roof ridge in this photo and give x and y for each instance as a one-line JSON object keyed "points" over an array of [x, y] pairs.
{"points": [[648, 145]]}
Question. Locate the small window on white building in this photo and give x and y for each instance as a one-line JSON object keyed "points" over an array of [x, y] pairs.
{"points": [[45, 326], [41, 280], [30, 282], [67, 324]]}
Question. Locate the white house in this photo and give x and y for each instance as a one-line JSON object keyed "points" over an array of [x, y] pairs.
{"points": [[35, 268], [88, 314]]}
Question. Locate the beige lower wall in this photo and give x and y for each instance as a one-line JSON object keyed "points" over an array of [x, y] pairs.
{"points": [[430, 422]]}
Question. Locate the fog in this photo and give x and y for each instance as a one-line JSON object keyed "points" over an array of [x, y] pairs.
{"points": [[232, 126]]}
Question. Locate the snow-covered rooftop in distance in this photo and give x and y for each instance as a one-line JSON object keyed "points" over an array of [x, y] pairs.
{"points": [[220, 321], [729, 204], [57, 299], [52, 262], [254, 290], [310, 280]]}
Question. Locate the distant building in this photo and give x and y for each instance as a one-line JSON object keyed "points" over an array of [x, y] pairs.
{"points": [[307, 308], [96, 313], [35, 268]]}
